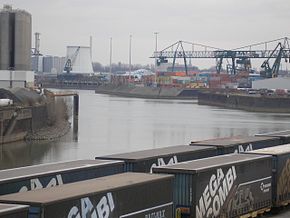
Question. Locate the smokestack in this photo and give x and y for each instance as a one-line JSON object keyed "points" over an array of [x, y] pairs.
{"points": [[91, 47], [37, 44]]}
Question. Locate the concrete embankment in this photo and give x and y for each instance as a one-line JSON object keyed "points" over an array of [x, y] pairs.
{"points": [[255, 103], [147, 92], [58, 130]]}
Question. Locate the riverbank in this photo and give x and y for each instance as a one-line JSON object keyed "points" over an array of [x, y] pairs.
{"points": [[56, 131], [32, 114]]}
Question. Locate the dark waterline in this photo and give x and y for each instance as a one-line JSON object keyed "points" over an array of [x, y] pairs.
{"points": [[109, 124]]}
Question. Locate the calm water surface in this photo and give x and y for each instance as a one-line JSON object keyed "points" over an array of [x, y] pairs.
{"points": [[109, 124]]}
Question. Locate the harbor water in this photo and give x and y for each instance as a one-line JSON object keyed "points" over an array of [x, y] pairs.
{"points": [[110, 124]]}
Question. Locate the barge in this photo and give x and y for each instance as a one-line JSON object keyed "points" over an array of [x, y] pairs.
{"points": [[249, 102], [148, 92]]}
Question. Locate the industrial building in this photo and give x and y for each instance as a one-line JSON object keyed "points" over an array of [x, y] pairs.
{"points": [[272, 83], [15, 48], [47, 64], [79, 60]]}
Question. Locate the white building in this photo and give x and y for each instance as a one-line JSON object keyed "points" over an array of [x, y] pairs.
{"points": [[272, 83]]}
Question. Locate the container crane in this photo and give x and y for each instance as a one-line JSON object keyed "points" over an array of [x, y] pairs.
{"points": [[269, 71], [70, 61]]}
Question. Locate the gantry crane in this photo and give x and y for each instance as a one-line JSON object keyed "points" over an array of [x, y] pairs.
{"points": [[240, 58], [272, 71]]}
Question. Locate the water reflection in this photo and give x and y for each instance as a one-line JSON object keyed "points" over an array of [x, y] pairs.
{"points": [[109, 124]]}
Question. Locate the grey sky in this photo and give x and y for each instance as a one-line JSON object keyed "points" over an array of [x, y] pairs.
{"points": [[220, 23]]}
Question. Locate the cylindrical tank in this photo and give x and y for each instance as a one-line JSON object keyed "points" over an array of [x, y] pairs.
{"points": [[22, 54], [4, 40], [81, 60], [5, 102], [15, 39]]}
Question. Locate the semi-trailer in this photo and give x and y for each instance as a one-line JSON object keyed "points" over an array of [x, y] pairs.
{"points": [[13, 211], [54, 174], [228, 186], [143, 161], [126, 195], [239, 144], [280, 173]]}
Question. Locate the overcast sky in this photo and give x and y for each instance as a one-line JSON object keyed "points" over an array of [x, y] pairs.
{"points": [[220, 23]]}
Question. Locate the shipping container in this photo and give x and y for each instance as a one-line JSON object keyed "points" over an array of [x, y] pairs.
{"points": [[127, 195], [239, 144], [143, 161], [283, 135], [280, 173], [223, 186], [54, 174], [13, 211]]}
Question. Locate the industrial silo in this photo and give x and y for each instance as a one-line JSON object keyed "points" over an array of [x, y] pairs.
{"points": [[80, 58], [15, 48], [15, 39], [4, 39], [22, 40]]}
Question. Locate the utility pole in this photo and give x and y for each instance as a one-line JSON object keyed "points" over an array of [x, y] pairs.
{"points": [[91, 47], [156, 48], [130, 57], [111, 50]]}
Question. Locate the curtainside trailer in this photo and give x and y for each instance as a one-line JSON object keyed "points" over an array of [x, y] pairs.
{"points": [[127, 195], [280, 173], [239, 144], [143, 161], [223, 186], [13, 211], [283, 135], [54, 174]]}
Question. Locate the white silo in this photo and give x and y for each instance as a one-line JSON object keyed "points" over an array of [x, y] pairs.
{"points": [[80, 59]]}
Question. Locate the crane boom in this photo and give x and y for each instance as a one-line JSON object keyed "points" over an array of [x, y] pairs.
{"points": [[70, 61]]}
